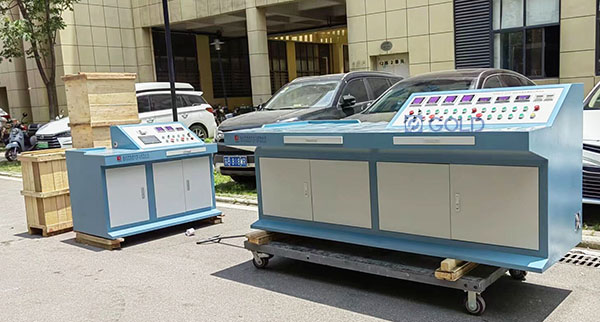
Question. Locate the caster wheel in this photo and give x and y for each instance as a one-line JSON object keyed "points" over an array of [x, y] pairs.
{"points": [[260, 262], [517, 274], [479, 307]]}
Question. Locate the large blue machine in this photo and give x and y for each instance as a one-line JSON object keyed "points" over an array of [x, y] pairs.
{"points": [[155, 176], [489, 176]]}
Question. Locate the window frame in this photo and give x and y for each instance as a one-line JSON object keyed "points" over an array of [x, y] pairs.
{"points": [[524, 30], [597, 67]]}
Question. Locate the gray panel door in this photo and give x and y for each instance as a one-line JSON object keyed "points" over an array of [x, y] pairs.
{"points": [[127, 195], [495, 205], [197, 183], [168, 188], [285, 185], [414, 198], [341, 193]]}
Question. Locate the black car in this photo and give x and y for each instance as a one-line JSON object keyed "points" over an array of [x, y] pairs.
{"points": [[384, 109], [327, 97]]}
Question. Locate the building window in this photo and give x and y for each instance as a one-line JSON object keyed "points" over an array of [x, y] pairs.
{"points": [[527, 36], [236, 68], [598, 37], [184, 58], [312, 59], [278, 64]]}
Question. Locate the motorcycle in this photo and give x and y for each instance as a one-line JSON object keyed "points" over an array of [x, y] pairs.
{"points": [[19, 140]]}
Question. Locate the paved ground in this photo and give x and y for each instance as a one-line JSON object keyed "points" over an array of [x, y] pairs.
{"points": [[165, 276]]}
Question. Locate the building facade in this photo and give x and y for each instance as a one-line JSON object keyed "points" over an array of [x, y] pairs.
{"points": [[270, 42]]}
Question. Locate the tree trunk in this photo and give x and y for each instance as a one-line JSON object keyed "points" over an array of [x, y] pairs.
{"points": [[52, 99]]}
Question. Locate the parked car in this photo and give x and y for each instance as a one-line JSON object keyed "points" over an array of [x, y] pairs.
{"points": [[154, 106], [591, 147], [386, 106], [305, 98]]}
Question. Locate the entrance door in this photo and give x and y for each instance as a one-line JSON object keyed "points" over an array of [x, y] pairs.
{"points": [[169, 188], [197, 183], [127, 195]]}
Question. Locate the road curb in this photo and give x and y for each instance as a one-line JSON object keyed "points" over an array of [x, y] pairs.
{"points": [[237, 201], [10, 174], [590, 239]]}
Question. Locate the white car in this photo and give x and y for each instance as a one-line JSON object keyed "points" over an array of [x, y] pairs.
{"points": [[591, 147], [154, 106]]}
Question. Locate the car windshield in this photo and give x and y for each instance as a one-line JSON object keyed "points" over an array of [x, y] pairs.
{"points": [[594, 101], [303, 95], [393, 100]]}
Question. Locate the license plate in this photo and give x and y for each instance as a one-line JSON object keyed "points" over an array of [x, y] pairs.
{"points": [[42, 145], [235, 161]]}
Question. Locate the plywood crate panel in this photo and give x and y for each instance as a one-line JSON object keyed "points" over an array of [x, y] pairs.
{"points": [[101, 99], [85, 136]]}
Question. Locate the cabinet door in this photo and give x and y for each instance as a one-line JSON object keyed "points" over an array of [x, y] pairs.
{"points": [[127, 195], [495, 205], [341, 193], [285, 187], [169, 188], [197, 183], [414, 198]]}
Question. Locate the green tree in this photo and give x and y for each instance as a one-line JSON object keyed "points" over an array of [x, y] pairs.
{"points": [[29, 28]]}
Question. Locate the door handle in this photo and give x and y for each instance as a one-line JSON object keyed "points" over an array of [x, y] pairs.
{"points": [[143, 193], [457, 202], [187, 182], [150, 120]]}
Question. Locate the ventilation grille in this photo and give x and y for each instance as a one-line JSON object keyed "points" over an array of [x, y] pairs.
{"points": [[581, 259], [473, 33]]}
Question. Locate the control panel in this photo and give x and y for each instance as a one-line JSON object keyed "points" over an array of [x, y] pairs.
{"points": [[503, 107], [161, 135]]}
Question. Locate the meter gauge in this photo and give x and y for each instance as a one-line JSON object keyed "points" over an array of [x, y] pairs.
{"points": [[169, 129], [502, 99], [418, 101], [467, 99], [433, 100], [484, 100], [159, 129], [522, 98], [449, 100]]}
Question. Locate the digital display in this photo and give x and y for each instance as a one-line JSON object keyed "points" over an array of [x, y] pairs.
{"points": [[522, 98], [467, 98], [149, 139], [159, 129], [503, 99], [433, 100], [169, 128], [484, 100], [450, 99], [418, 101], [179, 128]]}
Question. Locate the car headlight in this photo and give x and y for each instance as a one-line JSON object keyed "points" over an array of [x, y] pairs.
{"points": [[220, 136], [65, 134]]}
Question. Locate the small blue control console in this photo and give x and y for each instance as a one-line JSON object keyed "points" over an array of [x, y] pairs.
{"points": [[156, 175]]}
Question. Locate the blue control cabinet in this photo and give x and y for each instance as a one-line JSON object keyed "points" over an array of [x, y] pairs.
{"points": [[489, 176], [156, 176]]}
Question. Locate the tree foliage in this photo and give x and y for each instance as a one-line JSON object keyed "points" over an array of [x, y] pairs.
{"points": [[29, 28]]}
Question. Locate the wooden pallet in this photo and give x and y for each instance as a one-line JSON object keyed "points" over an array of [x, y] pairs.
{"points": [[453, 269], [214, 220], [100, 242], [50, 230], [261, 237]]}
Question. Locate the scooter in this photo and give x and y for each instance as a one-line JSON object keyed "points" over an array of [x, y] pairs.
{"points": [[19, 140]]}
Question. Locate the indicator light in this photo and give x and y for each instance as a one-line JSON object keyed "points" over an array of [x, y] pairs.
{"points": [[454, 111], [493, 110], [536, 108], [521, 116], [525, 108], [437, 111], [489, 117], [474, 110], [532, 115], [411, 112], [504, 109], [464, 110], [514, 109], [483, 110], [499, 116], [510, 116]]}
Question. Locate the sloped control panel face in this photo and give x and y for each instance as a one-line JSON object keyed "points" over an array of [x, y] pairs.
{"points": [[161, 135], [506, 108]]}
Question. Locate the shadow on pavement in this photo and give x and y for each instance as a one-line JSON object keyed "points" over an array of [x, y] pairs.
{"points": [[150, 236], [28, 236], [392, 299]]}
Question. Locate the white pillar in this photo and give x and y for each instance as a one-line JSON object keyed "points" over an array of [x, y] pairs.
{"points": [[256, 22]]}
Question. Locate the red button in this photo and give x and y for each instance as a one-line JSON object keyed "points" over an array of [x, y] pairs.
{"points": [[411, 112], [474, 109], [536, 108], [478, 115], [431, 116], [119, 158]]}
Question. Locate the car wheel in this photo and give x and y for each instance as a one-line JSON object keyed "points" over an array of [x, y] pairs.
{"points": [[199, 130]]}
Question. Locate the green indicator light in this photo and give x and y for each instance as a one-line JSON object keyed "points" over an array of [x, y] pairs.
{"points": [[454, 111], [510, 116], [469, 117], [428, 111], [483, 110], [464, 110], [525, 108], [514, 109], [499, 116], [489, 117], [504, 109], [446, 111], [521, 116], [493, 110], [437, 111]]}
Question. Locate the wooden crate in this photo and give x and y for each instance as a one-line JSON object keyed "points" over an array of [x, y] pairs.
{"points": [[46, 191], [85, 136], [101, 99]]}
